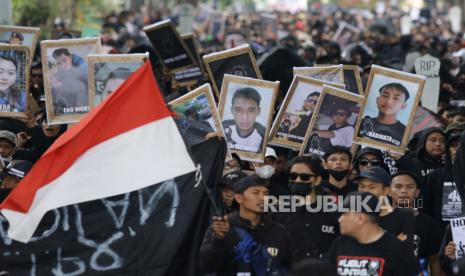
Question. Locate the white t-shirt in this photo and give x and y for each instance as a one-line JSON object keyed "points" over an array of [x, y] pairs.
{"points": [[249, 143], [343, 136]]}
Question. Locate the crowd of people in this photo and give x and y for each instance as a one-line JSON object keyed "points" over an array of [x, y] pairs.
{"points": [[419, 192]]}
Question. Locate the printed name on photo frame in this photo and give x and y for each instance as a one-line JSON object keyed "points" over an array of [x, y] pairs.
{"points": [[385, 138], [319, 152], [76, 109], [290, 135], [5, 108], [243, 148], [176, 58]]}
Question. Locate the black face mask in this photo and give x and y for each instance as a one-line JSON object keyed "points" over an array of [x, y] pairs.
{"points": [[300, 189], [338, 175]]}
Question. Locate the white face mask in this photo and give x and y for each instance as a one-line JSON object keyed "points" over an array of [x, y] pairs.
{"points": [[265, 172]]}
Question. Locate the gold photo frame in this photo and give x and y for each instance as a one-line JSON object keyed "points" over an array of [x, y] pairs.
{"points": [[62, 106], [372, 127], [332, 73], [215, 61], [298, 123], [353, 85], [186, 102], [32, 36], [15, 102], [345, 34], [166, 41], [191, 76], [327, 115], [251, 146], [134, 61]]}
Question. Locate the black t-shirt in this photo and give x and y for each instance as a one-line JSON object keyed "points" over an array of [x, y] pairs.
{"points": [[391, 134], [427, 238], [384, 257], [401, 220]]}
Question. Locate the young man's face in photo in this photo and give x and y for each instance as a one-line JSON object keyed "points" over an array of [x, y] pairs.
{"points": [[339, 117], [15, 41], [245, 112], [112, 84], [310, 103], [64, 62], [390, 101]]}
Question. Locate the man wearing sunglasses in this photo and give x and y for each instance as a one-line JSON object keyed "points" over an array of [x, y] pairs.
{"points": [[386, 127], [304, 116], [311, 229], [367, 158], [340, 132]]}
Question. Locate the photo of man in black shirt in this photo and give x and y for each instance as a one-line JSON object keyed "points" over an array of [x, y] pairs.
{"points": [[386, 127]]}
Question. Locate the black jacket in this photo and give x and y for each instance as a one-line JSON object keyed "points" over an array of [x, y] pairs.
{"points": [[217, 255], [459, 167], [378, 153], [427, 162]]}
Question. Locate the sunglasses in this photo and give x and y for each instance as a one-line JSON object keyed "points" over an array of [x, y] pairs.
{"points": [[303, 176], [342, 114], [365, 162]]}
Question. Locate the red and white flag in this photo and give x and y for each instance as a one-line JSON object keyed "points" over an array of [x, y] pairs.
{"points": [[127, 143]]}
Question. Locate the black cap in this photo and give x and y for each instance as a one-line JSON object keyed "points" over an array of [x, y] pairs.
{"points": [[376, 174], [362, 202], [247, 182], [231, 178], [18, 168]]}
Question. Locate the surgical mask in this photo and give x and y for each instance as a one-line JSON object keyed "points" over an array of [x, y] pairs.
{"points": [[338, 175], [300, 189], [265, 172]]}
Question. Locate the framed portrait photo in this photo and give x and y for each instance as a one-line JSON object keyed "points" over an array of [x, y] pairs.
{"points": [[352, 79], [17, 35], [14, 80], [169, 47], [293, 119], [235, 37], [239, 61], [333, 73], [198, 113], [345, 34], [246, 109], [108, 72], [269, 25], [389, 108], [217, 25], [191, 76], [333, 122], [65, 68]]}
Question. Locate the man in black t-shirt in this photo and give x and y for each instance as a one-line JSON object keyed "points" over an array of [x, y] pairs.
{"points": [[385, 127], [364, 247]]}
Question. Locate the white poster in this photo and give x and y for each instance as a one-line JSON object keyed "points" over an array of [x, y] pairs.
{"points": [[405, 25], [428, 66], [455, 18], [458, 235]]}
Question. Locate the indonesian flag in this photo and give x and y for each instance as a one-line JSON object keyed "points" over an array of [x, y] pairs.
{"points": [[128, 142]]}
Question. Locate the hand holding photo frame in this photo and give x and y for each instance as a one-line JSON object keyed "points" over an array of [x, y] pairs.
{"points": [[65, 68], [332, 73], [389, 108], [14, 80], [239, 61], [246, 109], [333, 121], [198, 113], [294, 115], [108, 72]]}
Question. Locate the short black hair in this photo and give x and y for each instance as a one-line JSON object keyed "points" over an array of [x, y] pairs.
{"points": [[312, 161], [247, 93], [338, 149], [343, 107], [414, 176], [397, 86], [17, 35], [119, 73], [315, 93], [61, 51]]}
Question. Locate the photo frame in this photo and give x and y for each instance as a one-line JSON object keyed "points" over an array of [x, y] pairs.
{"points": [[235, 37], [239, 61], [107, 72], [65, 69], [173, 53], [345, 34], [217, 25], [65, 34], [194, 74], [352, 79], [269, 25], [389, 107], [30, 36], [198, 105], [293, 119], [14, 72], [332, 73], [333, 122], [246, 108]]}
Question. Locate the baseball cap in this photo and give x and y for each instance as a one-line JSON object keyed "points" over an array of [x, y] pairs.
{"points": [[247, 182], [375, 174], [8, 135], [353, 203], [18, 168], [231, 178], [270, 152]]}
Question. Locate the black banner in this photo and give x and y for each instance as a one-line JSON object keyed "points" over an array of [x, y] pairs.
{"points": [[154, 231]]}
